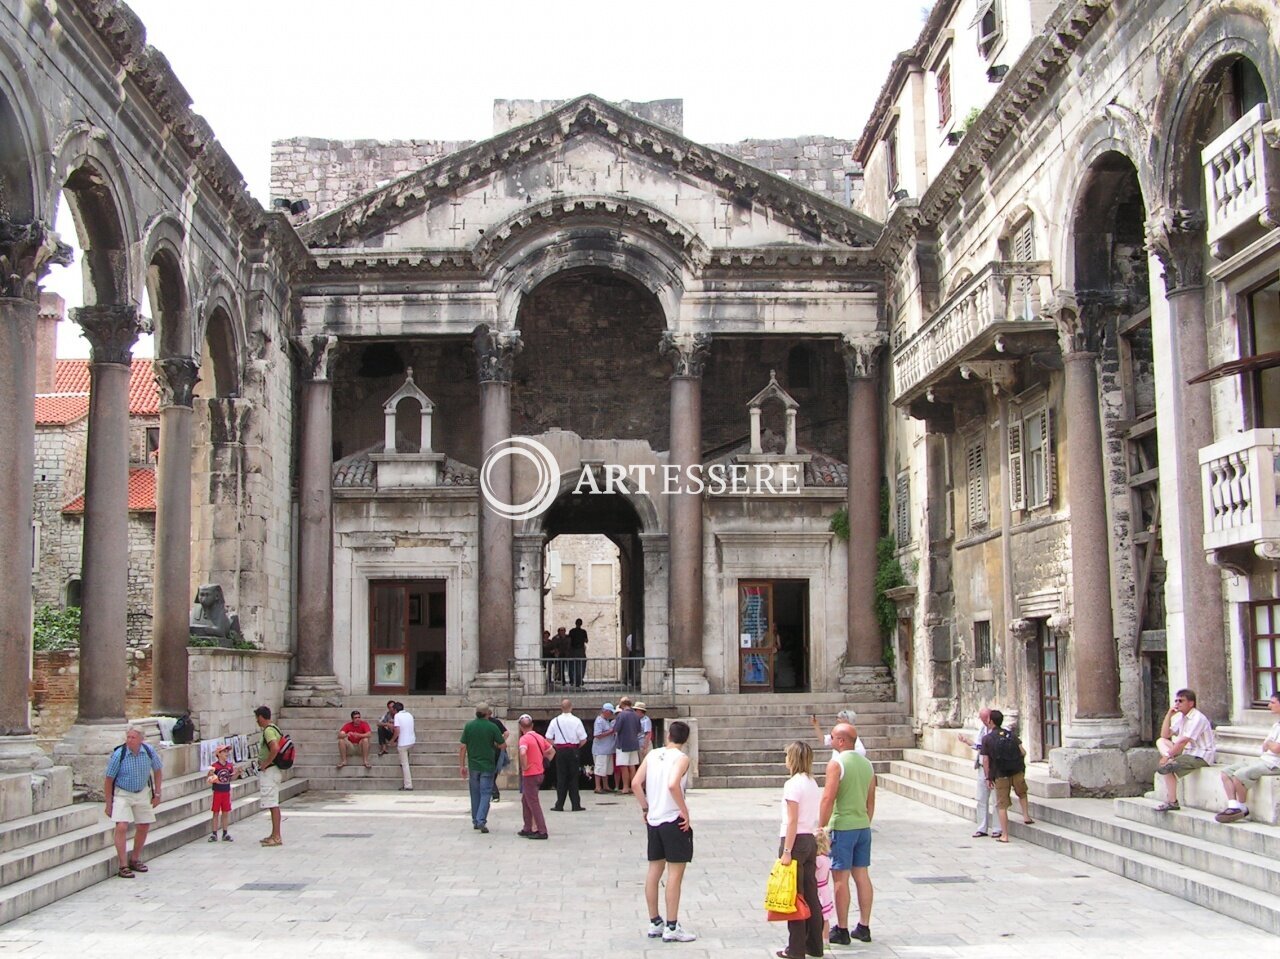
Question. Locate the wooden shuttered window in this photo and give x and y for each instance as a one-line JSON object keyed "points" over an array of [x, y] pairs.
{"points": [[944, 94], [902, 510], [976, 474], [1017, 487]]}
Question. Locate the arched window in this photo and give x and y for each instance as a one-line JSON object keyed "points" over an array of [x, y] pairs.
{"points": [[72, 597]]}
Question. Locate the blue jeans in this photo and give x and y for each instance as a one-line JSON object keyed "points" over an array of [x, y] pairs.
{"points": [[481, 792]]}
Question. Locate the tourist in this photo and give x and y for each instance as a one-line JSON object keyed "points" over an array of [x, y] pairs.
{"points": [[822, 867], [567, 735], [848, 806], [646, 729], [984, 793], [386, 727], [404, 735], [535, 751], [604, 742], [800, 801], [131, 791], [352, 737], [560, 650], [578, 653], [1239, 778], [501, 757], [1186, 743], [548, 651], [844, 716], [1004, 762], [269, 775], [476, 750], [660, 785], [221, 772], [626, 750]]}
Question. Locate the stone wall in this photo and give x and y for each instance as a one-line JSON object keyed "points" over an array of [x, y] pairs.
{"points": [[55, 691], [226, 685], [822, 164]]}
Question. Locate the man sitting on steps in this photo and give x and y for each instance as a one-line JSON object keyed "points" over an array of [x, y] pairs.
{"points": [[1186, 743], [1240, 777]]}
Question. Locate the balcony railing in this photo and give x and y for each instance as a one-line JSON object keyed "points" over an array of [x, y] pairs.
{"points": [[1003, 294], [531, 681], [1239, 481], [1241, 177]]}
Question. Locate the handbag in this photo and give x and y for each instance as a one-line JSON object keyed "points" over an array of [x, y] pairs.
{"points": [[780, 891], [802, 912]]}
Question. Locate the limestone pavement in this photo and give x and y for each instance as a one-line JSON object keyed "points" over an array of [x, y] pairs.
{"points": [[403, 874]]}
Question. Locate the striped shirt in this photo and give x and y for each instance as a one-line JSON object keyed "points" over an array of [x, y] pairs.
{"points": [[131, 770]]}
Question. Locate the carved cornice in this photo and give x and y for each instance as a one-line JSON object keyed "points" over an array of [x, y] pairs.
{"points": [[27, 250], [1177, 238], [820, 217], [317, 356], [793, 258], [111, 331], [688, 352], [496, 353], [330, 264], [862, 354], [176, 378]]}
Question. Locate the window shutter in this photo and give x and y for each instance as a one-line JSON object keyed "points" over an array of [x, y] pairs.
{"points": [[903, 510], [1050, 461], [1024, 241], [977, 486], [1017, 488]]}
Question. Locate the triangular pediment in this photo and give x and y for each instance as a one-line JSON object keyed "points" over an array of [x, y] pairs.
{"points": [[589, 157]]}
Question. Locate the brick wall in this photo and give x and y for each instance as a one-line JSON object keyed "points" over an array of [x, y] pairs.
{"points": [[55, 691]]}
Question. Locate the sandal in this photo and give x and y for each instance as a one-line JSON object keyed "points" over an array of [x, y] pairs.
{"points": [[1003, 839], [270, 842], [125, 872], [978, 833], [1168, 807], [138, 866], [1029, 822]]}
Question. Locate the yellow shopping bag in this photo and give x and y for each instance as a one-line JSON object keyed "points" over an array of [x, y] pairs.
{"points": [[780, 893]]}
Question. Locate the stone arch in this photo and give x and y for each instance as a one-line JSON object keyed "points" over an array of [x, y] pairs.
{"points": [[220, 338], [1105, 226], [1015, 218], [24, 194], [642, 503], [165, 281], [1211, 43]]}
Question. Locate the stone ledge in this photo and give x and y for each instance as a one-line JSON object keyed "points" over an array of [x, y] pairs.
{"points": [[1202, 789]]}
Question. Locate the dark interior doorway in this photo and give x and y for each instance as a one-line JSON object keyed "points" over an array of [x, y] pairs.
{"points": [[407, 636], [773, 635]]}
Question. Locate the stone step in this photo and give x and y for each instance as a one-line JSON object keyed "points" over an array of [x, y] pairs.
{"points": [[954, 783], [1199, 824], [779, 728], [766, 743], [422, 782], [1227, 896], [1039, 782], [776, 757], [168, 833], [826, 705], [56, 822], [747, 774]]}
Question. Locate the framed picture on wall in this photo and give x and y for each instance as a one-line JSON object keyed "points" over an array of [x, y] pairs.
{"points": [[415, 610]]}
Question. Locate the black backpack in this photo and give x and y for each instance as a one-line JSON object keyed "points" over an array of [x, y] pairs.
{"points": [[184, 730], [285, 754], [1006, 751]]}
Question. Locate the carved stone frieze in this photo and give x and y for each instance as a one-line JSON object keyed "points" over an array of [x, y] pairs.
{"points": [[317, 356], [688, 352], [27, 250], [862, 353], [496, 352], [176, 377], [111, 331], [1177, 238]]}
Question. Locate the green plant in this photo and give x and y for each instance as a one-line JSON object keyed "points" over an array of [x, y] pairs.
{"points": [[239, 642], [969, 119], [840, 524], [56, 628], [202, 641]]}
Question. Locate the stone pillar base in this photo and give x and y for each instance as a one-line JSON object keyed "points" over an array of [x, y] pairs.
{"points": [[1109, 733], [867, 684], [691, 681], [492, 688], [313, 691], [1104, 771], [86, 748], [20, 754], [31, 793]]}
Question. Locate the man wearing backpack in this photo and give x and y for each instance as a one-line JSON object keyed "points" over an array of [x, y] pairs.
{"points": [[270, 774], [1004, 761], [132, 791]]}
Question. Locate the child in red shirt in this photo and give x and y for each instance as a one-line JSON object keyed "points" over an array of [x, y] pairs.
{"points": [[220, 775]]}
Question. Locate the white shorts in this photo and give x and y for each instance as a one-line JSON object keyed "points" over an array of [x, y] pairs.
{"points": [[132, 807], [269, 787], [624, 758], [604, 765]]}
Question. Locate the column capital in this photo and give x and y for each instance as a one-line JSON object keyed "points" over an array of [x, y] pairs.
{"points": [[862, 353], [176, 376], [317, 356], [111, 331], [1084, 316], [688, 352], [27, 250], [496, 352], [1177, 237]]}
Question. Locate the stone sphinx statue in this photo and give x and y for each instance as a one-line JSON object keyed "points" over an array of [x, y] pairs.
{"points": [[209, 615]]}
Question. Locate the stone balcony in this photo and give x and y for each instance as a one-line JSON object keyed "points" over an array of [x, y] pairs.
{"points": [[997, 315], [1241, 514], [1242, 182]]}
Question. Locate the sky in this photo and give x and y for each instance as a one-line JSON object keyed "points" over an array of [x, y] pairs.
{"points": [[263, 70]]}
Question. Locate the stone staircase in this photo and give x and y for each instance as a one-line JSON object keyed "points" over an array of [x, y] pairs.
{"points": [[742, 738], [1232, 869], [48, 855]]}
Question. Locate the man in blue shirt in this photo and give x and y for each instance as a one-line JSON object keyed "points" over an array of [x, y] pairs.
{"points": [[132, 791]]}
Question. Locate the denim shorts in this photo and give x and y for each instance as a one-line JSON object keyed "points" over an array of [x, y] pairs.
{"points": [[850, 848]]}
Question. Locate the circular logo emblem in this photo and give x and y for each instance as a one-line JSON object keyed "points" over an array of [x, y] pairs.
{"points": [[545, 489]]}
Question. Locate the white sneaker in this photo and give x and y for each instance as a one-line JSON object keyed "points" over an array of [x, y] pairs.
{"points": [[654, 929], [678, 934]]}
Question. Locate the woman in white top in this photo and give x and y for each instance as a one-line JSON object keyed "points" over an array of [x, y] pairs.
{"points": [[800, 800]]}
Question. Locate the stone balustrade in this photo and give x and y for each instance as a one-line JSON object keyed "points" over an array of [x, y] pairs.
{"points": [[1242, 179], [1239, 484]]}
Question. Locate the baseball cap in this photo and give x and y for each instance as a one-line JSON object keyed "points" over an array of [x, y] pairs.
{"points": [[607, 707]]}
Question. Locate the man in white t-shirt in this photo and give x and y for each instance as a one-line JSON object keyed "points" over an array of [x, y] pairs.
{"points": [[1239, 777], [404, 738], [567, 734], [1186, 743]]}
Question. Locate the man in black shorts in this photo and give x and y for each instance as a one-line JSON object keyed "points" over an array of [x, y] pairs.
{"points": [[659, 785]]}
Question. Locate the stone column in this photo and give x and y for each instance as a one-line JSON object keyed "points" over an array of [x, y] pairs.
{"points": [[864, 674], [688, 353], [314, 682], [171, 604], [495, 359], [1197, 649], [26, 251]]}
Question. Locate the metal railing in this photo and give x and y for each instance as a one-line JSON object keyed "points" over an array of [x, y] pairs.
{"points": [[1240, 489], [648, 678]]}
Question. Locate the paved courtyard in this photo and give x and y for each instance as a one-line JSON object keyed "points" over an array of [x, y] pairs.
{"points": [[387, 875]]}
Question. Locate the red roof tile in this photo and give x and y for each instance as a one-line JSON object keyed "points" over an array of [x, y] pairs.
{"points": [[61, 409], [142, 492], [72, 376]]}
